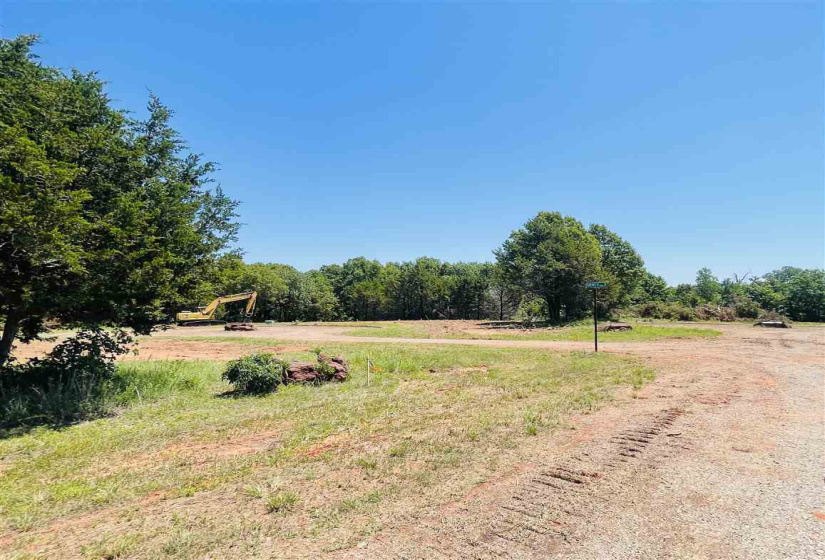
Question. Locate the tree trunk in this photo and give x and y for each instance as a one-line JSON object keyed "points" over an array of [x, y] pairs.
{"points": [[9, 334], [553, 309]]}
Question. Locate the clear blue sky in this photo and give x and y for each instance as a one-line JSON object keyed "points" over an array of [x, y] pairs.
{"points": [[398, 130]]}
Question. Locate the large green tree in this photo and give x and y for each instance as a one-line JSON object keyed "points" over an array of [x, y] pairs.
{"points": [[797, 292], [708, 287], [621, 261], [104, 219], [806, 295], [651, 288], [504, 295], [468, 285], [358, 287], [552, 258]]}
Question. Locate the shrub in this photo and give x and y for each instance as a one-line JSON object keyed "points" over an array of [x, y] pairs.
{"points": [[746, 308], [256, 373], [650, 310], [89, 355], [71, 383], [681, 313], [530, 311], [282, 501]]}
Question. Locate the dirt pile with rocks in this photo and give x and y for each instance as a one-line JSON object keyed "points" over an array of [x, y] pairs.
{"points": [[324, 370]]}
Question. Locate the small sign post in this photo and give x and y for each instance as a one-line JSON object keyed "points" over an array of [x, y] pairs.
{"points": [[596, 286]]}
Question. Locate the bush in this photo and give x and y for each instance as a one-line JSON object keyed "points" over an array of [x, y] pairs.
{"points": [[746, 308], [680, 313], [69, 384], [257, 373], [530, 311]]}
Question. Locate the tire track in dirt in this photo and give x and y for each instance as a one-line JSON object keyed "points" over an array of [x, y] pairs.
{"points": [[550, 507], [729, 410]]}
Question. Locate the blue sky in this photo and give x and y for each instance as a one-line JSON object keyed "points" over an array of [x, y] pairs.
{"points": [[398, 130]]}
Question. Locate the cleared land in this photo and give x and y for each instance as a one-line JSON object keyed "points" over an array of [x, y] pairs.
{"points": [[218, 344], [578, 334], [456, 448]]}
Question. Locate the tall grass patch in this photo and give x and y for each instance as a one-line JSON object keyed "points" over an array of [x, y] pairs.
{"points": [[76, 398]]}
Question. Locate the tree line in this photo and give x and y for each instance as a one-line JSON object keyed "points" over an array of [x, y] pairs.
{"points": [[540, 272], [366, 290]]}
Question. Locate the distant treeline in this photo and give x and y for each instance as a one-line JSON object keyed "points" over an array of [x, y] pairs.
{"points": [[539, 273]]}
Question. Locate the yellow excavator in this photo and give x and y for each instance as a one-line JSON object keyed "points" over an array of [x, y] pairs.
{"points": [[205, 315]]}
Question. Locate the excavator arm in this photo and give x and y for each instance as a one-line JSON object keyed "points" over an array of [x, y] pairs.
{"points": [[204, 315], [209, 310], [250, 305]]}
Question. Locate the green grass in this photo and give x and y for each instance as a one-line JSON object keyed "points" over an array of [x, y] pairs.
{"points": [[281, 502], [581, 333], [640, 333], [391, 331], [87, 398], [432, 422]]}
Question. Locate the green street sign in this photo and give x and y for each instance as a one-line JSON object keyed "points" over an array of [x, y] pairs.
{"points": [[596, 285]]}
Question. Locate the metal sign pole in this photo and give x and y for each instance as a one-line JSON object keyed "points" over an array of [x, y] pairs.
{"points": [[595, 323], [596, 286]]}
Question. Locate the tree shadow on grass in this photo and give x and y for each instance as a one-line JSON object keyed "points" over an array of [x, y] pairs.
{"points": [[236, 394], [15, 429], [24, 410]]}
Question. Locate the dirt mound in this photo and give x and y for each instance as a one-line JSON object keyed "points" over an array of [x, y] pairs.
{"points": [[610, 327], [325, 369], [238, 327]]}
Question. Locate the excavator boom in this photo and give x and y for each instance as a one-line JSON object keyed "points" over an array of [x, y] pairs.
{"points": [[204, 316]]}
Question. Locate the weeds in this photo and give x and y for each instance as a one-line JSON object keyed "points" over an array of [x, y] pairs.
{"points": [[368, 465], [254, 491], [77, 398], [281, 502], [532, 422]]}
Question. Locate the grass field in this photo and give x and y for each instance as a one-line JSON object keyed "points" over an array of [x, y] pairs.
{"points": [[578, 333], [184, 470], [391, 331]]}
